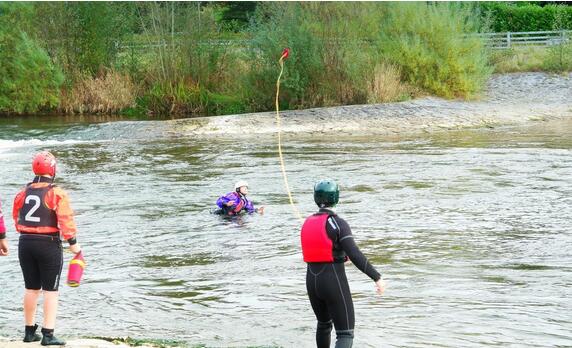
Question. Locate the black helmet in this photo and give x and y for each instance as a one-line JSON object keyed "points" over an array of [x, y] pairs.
{"points": [[326, 193]]}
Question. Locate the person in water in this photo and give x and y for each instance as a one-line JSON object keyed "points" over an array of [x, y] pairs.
{"points": [[327, 242], [235, 203], [3, 241], [43, 216]]}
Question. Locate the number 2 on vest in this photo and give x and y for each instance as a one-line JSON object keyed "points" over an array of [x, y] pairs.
{"points": [[37, 201]]}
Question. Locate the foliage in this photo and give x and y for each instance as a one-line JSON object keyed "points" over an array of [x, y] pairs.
{"points": [[431, 46], [519, 59], [108, 93], [560, 55], [508, 16], [203, 58], [559, 58], [28, 80], [235, 15], [84, 37], [191, 72]]}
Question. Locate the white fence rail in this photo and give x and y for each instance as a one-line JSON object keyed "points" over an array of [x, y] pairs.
{"points": [[527, 38], [494, 40]]}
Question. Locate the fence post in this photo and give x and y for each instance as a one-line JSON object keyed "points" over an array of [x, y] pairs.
{"points": [[508, 39]]}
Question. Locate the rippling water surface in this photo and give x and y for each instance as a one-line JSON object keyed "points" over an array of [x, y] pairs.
{"points": [[471, 229]]}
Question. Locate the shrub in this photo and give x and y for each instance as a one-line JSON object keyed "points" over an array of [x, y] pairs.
{"points": [[29, 81], [525, 16], [430, 45], [331, 53], [385, 85], [84, 36], [109, 93]]}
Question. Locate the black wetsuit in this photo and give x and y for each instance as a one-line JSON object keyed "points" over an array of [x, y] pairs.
{"points": [[41, 260], [328, 286]]}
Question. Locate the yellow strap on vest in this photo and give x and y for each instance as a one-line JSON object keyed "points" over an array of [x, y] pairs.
{"points": [[78, 262]]}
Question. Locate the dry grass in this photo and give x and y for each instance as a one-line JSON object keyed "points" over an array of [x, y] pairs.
{"points": [[109, 93], [519, 59], [385, 85]]}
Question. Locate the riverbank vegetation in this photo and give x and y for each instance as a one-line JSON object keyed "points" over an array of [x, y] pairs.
{"points": [[190, 59], [554, 59]]}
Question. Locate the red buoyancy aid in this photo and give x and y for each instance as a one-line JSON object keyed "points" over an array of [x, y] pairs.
{"points": [[316, 245], [240, 205]]}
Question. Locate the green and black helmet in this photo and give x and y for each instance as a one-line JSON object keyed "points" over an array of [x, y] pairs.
{"points": [[326, 193]]}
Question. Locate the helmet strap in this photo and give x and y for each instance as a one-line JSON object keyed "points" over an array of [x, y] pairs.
{"points": [[41, 178]]}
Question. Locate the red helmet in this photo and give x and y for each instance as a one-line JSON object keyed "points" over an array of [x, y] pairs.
{"points": [[44, 163]]}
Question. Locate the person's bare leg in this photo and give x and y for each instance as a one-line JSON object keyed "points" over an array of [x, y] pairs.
{"points": [[30, 305], [50, 308], [50, 311]]}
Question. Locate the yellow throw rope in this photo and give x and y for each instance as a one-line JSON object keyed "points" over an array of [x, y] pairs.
{"points": [[281, 61]]}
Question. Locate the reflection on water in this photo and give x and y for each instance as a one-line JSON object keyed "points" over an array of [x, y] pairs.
{"points": [[471, 228], [178, 261]]}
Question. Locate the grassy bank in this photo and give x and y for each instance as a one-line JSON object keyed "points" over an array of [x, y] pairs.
{"points": [[555, 59], [182, 59]]}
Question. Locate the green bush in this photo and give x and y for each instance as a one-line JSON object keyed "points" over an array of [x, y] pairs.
{"points": [[191, 73], [331, 53], [84, 36], [341, 53], [559, 58], [285, 28], [430, 45], [29, 81], [525, 17]]}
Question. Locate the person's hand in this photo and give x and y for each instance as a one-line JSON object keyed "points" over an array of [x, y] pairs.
{"points": [[229, 204], [260, 210], [380, 286], [3, 247], [76, 249]]}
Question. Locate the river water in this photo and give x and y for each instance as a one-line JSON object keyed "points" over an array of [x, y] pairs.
{"points": [[471, 229]]}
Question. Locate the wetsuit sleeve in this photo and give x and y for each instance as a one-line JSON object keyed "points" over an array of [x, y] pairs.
{"points": [[220, 201], [250, 207], [2, 225], [18, 203], [58, 200], [345, 239], [223, 200]]}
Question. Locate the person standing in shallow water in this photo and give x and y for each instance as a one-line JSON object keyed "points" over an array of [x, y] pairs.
{"points": [[42, 215], [327, 242], [234, 203]]}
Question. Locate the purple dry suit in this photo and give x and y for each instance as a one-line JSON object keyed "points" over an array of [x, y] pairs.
{"points": [[240, 203]]}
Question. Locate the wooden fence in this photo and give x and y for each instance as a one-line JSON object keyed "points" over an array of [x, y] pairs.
{"points": [[494, 40], [528, 38]]}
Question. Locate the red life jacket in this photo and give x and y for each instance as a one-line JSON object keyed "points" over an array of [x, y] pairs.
{"points": [[35, 213], [240, 205], [316, 245]]}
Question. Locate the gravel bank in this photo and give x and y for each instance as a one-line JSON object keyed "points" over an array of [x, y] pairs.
{"points": [[509, 99]]}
